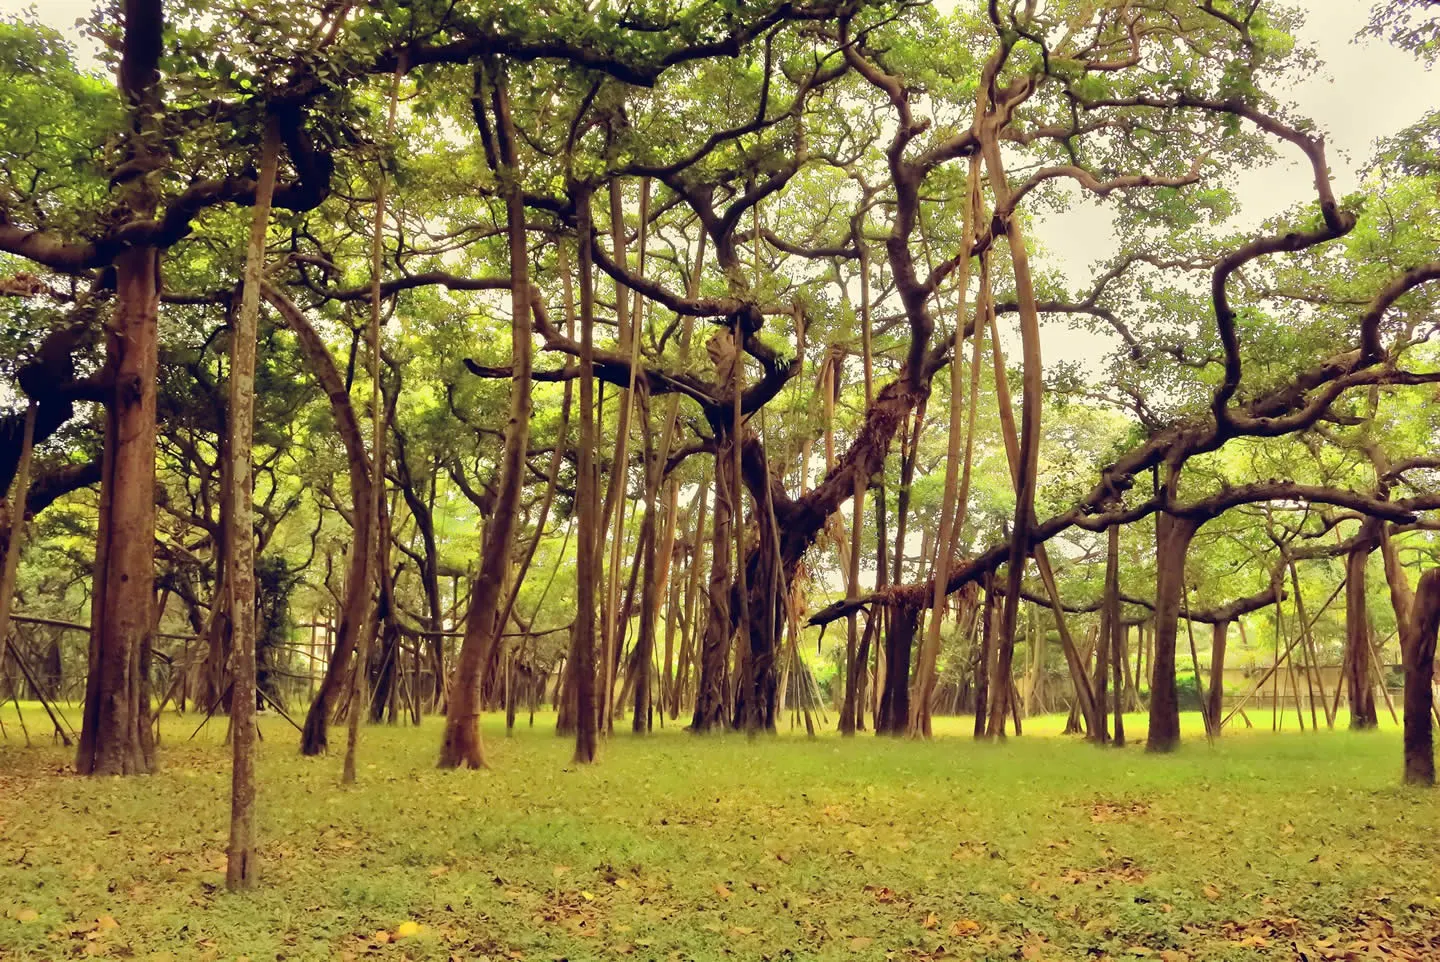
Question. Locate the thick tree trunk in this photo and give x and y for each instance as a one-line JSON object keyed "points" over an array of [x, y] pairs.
{"points": [[1172, 542], [240, 866], [1358, 690], [1418, 654], [14, 536], [895, 696], [461, 744], [1417, 614], [116, 737]]}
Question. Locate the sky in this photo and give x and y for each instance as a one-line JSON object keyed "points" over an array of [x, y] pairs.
{"points": [[1363, 90]]}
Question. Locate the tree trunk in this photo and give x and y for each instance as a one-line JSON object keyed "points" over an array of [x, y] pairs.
{"points": [[1109, 627], [668, 588], [462, 744], [613, 626], [895, 696], [650, 586], [715, 647], [15, 535], [581, 663], [983, 658], [1079, 674], [1417, 615], [1418, 655], [1172, 542], [1358, 690], [850, 704], [116, 737], [689, 641], [1117, 630], [1215, 697], [240, 865], [378, 541]]}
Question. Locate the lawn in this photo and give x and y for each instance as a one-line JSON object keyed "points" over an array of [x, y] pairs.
{"points": [[1263, 846]]}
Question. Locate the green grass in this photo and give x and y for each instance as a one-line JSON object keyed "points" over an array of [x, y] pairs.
{"points": [[681, 848]]}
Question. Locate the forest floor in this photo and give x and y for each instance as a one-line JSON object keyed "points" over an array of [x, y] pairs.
{"points": [[1289, 846]]}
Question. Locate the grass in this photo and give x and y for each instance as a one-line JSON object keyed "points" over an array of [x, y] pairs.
{"points": [[673, 847]]}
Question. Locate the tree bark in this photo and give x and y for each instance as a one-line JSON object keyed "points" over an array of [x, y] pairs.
{"points": [[1418, 653], [690, 640], [240, 864], [650, 586], [1358, 689], [1117, 630], [1215, 697], [983, 659], [849, 705], [1417, 613], [895, 696], [116, 737], [1172, 542], [1109, 628], [715, 647], [581, 663]]}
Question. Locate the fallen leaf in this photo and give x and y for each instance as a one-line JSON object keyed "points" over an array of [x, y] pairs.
{"points": [[964, 927], [106, 922], [860, 942], [1211, 892], [27, 915], [559, 870], [406, 929], [931, 921], [722, 891], [381, 936]]}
